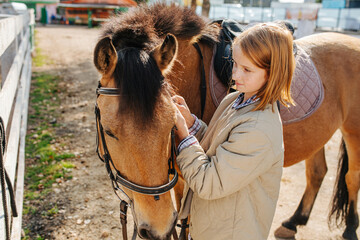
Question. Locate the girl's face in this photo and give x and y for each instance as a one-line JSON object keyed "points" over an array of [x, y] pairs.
{"points": [[248, 77]]}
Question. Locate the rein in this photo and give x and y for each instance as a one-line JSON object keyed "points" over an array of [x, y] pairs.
{"points": [[117, 179]]}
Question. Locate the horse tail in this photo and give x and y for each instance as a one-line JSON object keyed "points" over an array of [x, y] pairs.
{"points": [[340, 203]]}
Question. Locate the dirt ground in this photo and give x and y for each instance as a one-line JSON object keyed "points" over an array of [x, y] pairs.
{"points": [[89, 208]]}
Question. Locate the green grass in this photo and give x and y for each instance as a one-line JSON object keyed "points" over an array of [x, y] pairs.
{"points": [[44, 99], [39, 59], [51, 212], [45, 164], [49, 164]]}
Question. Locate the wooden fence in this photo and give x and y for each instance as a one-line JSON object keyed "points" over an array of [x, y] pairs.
{"points": [[16, 31]]}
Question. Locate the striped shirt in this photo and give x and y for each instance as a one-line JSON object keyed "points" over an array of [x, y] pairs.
{"points": [[191, 140], [239, 101]]}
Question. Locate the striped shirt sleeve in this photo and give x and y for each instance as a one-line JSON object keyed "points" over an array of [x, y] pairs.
{"points": [[195, 127], [187, 142]]}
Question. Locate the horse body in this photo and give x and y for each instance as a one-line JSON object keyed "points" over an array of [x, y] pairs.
{"points": [[335, 56], [329, 53]]}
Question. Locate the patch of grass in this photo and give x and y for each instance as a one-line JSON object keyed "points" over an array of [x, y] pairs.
{"points": [[68, 165], [29, 210], [53, 211], [32, 195], [39, 59], [26, 231], [46, 165]]}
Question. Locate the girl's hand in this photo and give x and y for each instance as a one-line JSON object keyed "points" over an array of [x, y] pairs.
{"points": [[182, 129], [184, 109]]}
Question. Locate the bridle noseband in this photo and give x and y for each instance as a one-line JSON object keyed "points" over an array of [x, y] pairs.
{"points": [[117, 179]]}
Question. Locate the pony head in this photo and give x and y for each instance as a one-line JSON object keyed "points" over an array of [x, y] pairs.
{"points": [[137, 54]]}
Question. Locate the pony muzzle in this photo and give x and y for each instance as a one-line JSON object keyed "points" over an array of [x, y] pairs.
{"points": [[145, 231]]}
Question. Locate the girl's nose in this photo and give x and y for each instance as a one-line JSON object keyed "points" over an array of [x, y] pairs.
{"points": [[235, 74]]}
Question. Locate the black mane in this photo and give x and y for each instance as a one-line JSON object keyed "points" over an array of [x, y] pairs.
{"points": [[139, 80]]}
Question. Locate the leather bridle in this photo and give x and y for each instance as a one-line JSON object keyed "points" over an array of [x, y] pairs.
{"points": [[117, 179]]}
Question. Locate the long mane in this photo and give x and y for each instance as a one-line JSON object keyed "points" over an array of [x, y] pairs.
{"points": [[135, 34]]}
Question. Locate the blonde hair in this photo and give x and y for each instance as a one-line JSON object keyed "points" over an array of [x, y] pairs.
{"points": [[270, 46]]}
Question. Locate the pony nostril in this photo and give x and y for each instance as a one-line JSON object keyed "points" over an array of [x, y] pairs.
{"points": [[144, 231]]}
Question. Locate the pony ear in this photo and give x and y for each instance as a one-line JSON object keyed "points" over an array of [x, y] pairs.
{"points": [[105, 56], [165, 54]]}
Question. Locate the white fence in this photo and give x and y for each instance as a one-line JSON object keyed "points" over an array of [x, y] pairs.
{"points": [[334, 19], [15, 78]]}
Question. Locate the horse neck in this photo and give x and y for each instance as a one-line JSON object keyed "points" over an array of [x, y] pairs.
{"points": [[186, 77]]}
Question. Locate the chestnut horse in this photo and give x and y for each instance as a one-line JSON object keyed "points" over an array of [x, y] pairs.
{"points": [[148, 54]]}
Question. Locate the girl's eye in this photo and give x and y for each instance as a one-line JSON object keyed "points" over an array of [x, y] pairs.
{"points": [[246, 70]]}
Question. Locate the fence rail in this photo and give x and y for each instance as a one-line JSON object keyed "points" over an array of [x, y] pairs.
{"points": [[333, 19], [15, 78]]}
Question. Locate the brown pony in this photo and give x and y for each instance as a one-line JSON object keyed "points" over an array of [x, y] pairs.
{"points": [[148, 54]]}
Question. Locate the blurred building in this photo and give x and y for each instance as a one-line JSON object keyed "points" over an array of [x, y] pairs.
{"points": [[341, 3], [91, 11], [250, 3], [49, 5]]}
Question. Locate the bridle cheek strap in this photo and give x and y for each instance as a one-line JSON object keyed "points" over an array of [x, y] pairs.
{"points": [[106, 158]]}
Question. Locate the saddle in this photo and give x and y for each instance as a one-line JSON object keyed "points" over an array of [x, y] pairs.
{"points": [[306, 89]]}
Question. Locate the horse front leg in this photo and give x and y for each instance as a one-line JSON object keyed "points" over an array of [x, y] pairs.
{"points": [[315, 172]]}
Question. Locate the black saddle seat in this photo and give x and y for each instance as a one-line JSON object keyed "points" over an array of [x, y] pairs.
{"points": [[230, 29]]}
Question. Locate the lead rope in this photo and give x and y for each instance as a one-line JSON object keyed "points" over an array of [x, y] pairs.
{"points": [[175, 236], [123, 218], [5, 178], [183, 226], [2, 172]]}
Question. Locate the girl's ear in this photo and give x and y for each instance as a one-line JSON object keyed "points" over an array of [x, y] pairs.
{"points": [[165, 53]]}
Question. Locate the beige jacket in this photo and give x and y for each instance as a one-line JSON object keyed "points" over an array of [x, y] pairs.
{"points": [[235, 174]]}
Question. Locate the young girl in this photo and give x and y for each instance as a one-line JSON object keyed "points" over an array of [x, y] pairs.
{"points": [[234, 172]]}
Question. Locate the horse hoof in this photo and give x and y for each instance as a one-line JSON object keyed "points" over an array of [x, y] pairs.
{"points": [[284, 233], [350, 235]]}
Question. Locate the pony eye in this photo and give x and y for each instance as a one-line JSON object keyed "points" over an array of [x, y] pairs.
{"points": [[110, 134]]}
